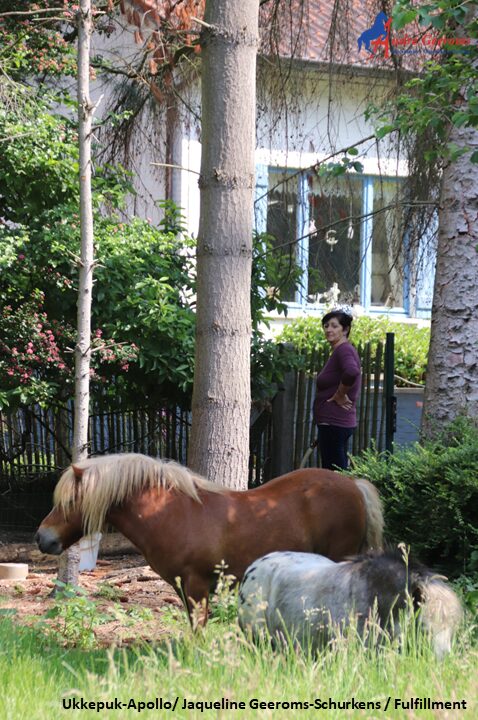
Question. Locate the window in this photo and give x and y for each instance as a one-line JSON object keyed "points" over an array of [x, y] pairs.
{"points": [[345, 233], [281, 226], [335, 207], [387, 246]]}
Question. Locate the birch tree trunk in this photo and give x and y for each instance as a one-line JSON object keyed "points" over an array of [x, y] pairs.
{"points": [[452, 375], [221, 405], [69, 561]]}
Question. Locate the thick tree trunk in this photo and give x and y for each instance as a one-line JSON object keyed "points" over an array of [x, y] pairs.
{"points": [[452, 376], [69, 561], [219, 446]]}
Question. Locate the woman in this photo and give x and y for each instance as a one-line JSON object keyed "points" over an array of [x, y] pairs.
{"points": [[338, 385]]}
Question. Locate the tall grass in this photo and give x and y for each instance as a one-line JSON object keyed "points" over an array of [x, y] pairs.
{"points": [[41, 680]]}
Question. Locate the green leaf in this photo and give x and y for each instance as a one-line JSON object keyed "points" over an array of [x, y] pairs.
{"points": [[384, 130], [400, 19], [460, 118]]}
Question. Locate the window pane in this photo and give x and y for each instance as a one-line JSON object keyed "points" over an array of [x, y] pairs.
{"points": [[334, 250], [281, 225], [387, 245]]}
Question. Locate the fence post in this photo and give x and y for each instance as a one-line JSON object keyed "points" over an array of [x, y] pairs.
{"points": [[283, 424], [390, 399]]}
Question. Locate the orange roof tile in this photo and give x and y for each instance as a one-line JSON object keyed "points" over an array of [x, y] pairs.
{"points": [[320, 31]]}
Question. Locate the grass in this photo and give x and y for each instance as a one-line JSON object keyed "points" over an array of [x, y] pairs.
{"points": [[40, 678]]}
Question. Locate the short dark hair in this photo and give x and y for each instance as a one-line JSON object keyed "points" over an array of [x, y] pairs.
{"points": [[344, 319]]}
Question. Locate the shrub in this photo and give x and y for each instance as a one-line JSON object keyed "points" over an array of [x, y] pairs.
{"points": [[430, 495], [411, 342]]}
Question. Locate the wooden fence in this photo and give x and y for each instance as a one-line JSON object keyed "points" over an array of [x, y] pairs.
{"points": [[370, 407]]}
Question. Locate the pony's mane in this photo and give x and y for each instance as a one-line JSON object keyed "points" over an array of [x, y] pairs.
{"points": [[391, 556], [111, 479]]}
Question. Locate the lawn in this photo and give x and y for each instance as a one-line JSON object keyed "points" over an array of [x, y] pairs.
{"points": [[219, 674]]}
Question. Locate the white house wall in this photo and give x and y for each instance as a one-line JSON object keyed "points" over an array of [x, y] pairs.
{"points": [[145, 154], [301, 137]]}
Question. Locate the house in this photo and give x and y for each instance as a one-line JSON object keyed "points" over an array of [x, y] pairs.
{"points": [[353, 231]]}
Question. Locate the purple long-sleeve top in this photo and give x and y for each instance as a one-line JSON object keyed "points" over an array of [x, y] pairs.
{"points": [[343, 366]]}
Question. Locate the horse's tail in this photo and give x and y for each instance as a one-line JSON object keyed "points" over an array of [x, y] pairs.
{"points": [[440, 610], [375, 522]]}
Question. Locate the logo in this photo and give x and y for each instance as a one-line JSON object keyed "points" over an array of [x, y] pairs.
{"points": [[379, 36]]}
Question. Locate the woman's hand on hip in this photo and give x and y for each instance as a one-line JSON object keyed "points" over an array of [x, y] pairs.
{"points": [[342, 400]]}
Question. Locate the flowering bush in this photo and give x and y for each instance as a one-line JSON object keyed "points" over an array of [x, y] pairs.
{"points": [[37, 356]]}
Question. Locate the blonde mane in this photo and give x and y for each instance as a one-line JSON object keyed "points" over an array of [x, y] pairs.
{"points": [[111, 479]]}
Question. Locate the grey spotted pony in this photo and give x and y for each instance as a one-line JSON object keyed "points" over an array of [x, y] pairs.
{"points": [[308, 598]]}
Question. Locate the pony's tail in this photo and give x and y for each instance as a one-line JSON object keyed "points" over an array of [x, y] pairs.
{"points": [[441, 612], [375, 522]]}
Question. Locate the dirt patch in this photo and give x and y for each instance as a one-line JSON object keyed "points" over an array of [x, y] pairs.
{"points": [[122, 587]]}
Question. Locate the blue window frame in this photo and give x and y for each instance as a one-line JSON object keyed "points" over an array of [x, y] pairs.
{"points": [[347, 236]]}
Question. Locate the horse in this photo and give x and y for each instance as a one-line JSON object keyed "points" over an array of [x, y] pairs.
{"points": [[309, 599], [378, 30], [186, 526]]}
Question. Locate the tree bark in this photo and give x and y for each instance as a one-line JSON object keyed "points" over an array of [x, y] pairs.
{"points": [[452, 376], [219, 445], [70, 560]]}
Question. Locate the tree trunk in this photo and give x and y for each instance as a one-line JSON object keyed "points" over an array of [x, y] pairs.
{"points": [[70, 560], [219, 446], [452, 375]]}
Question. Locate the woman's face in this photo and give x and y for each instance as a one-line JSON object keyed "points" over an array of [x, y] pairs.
{"points": [[334, 332]]}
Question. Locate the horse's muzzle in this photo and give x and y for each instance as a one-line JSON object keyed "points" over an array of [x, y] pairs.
{"points": [[48, 542]]}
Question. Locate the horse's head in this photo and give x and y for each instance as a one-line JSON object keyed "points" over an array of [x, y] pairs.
{"points": [[63, 526]]}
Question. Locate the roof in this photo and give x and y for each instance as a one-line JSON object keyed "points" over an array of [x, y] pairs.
{"points": [[318, 31]]}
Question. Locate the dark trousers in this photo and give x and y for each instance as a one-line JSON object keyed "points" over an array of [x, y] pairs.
{"points": [[333, 446]]}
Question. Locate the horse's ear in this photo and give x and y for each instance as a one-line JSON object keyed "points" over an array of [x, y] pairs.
{"points": [[77, 471]]}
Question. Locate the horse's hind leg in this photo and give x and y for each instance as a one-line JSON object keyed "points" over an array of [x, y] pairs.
{"points": [[196, 598]]}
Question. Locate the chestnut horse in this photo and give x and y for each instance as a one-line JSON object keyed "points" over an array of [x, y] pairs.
{"points": [[186, 526]]}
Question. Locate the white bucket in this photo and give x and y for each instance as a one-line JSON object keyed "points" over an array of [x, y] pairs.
{"points": [[13, 571], [89, 546]]}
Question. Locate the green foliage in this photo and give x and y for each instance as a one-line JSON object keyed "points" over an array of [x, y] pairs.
{"points": [[106, 591], [411, 342], [433, 100], [430, 496], [224, 601], [74, 617], [270, 273], [142, 318], [467, 587], [143, 296], [38, 162]]}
